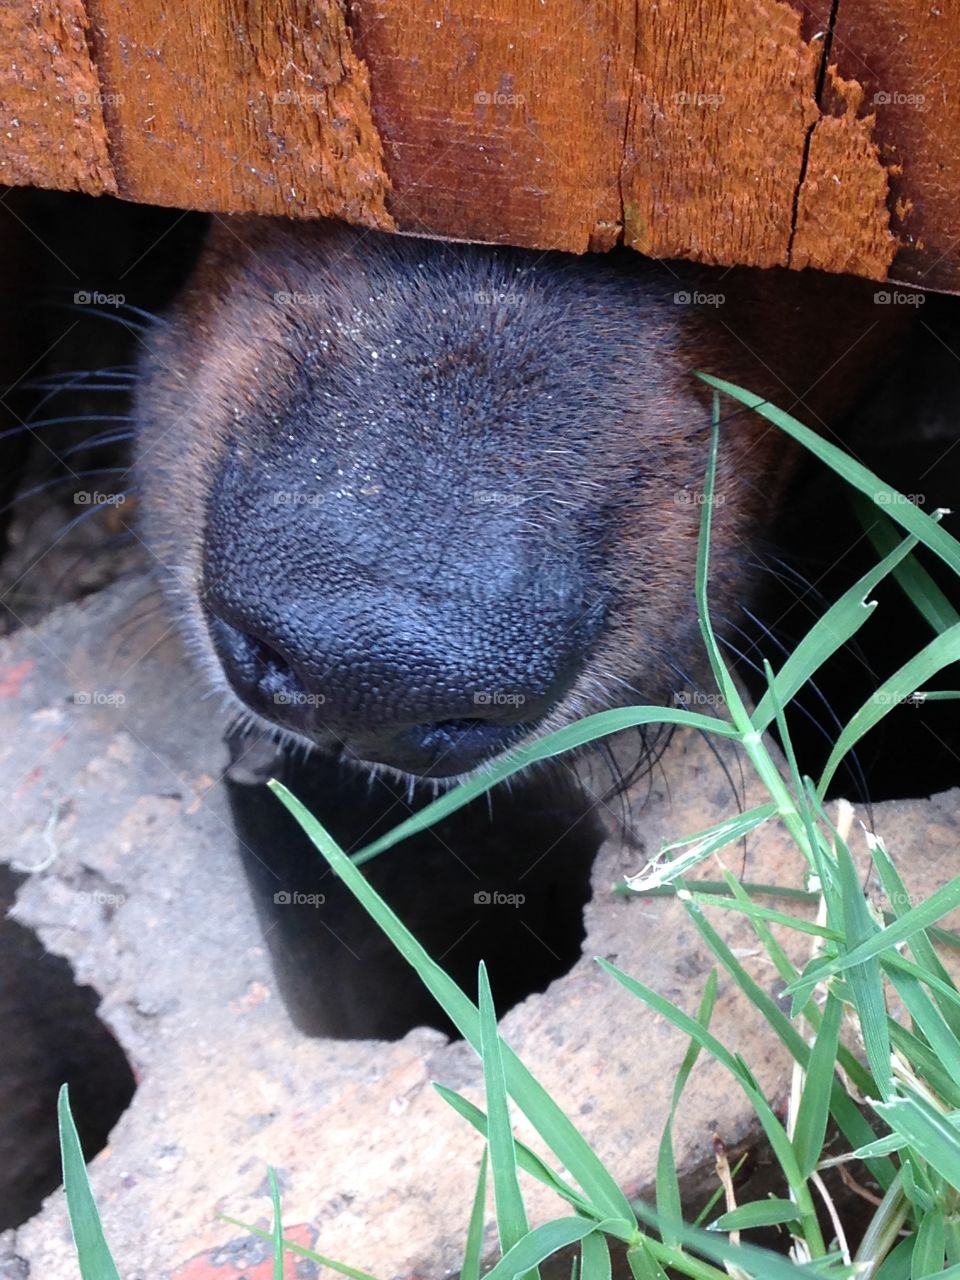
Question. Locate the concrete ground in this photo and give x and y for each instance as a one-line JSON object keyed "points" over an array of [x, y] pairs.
{"points": [[119, 830]]}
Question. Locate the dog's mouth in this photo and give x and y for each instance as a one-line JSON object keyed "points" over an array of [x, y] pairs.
{"points": [[445, 749]]}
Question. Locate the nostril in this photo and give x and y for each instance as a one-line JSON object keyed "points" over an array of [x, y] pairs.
{"points": [[271, 665], [258, 671]]}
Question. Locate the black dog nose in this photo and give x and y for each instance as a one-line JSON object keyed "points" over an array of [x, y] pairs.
{"points": [[391, 690]]}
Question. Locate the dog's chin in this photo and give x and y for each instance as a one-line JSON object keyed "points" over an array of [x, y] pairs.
{"points": [[249, 723]]}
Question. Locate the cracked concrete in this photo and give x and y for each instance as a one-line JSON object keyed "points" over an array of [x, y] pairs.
{"points": [[117, 796]]}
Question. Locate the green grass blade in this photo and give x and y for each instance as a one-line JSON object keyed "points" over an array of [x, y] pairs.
{"points": [[920, 944], [932, 658], [782, 1147], [93, 1252], [897, 1264], [541, 1243], [664, 868], [945, 990], [511, 1215], [669, 1205], [917, 1186], [595, 1261], [527, 1160], [927, 1131], [599, 725], [277, 1224], [864, 980], [908, 923], [811, 1127], [550, 1121], [762, 1213], [912, 578], [754, 913], [840, 623], [754, 888], [925, 1064], [929, 1253], [754, 1261], [928, 1019], [721, 675], [300, 1250], [847, 1114], [643, 1265], [904, 512], [473, 1251]]}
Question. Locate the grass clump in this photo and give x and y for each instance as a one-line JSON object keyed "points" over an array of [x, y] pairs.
{"points": [[907, 1133]]}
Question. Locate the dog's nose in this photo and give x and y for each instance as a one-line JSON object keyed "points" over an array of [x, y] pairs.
{"points": [[427, 692]]}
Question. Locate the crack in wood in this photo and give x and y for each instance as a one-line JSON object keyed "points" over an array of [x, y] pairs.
{"points": [[808, 137]]}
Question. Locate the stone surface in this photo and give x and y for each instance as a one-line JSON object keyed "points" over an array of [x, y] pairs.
{"points": [[115, 798]]}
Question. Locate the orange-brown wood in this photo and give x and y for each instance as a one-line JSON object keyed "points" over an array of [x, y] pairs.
{"points": [[729, 131]]}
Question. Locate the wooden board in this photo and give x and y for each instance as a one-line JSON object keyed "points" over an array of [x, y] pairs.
{"points": [[729, 131]]}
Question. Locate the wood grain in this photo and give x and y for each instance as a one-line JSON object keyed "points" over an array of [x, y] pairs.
{"points": [[729, 131]]}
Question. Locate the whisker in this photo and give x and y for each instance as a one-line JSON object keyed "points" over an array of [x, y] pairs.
{"points": [[30, 426], [97, 442], [62, 480], [86, 310]]}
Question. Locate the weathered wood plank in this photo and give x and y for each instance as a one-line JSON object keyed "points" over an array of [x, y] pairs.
{"points": [[730, 131]]}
